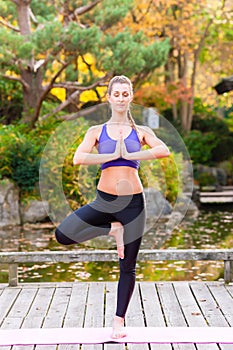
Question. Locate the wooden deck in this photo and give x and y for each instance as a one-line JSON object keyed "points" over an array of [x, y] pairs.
{"points": [[217, 197], [81, 304]]}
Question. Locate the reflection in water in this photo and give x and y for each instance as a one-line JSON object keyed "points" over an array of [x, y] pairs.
{"points": [[212, 230]]}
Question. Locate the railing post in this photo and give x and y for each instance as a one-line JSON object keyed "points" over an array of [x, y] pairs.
{"points": [[228, 271], [13, 275]]}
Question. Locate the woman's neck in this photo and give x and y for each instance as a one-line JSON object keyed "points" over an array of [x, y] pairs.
{"points": [[119, 119]]}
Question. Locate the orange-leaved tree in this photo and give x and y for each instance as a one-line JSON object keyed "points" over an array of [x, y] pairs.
{"points": [[189, 25]]}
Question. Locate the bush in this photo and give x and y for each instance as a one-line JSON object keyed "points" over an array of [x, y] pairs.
{"points": [[20, 157], [206, 179], [11, 102], [164, 174], [25, 163], [209, 129], [200, 146]]}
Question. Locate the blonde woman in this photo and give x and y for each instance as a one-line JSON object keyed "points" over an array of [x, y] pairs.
{"points": [[118, 209]]}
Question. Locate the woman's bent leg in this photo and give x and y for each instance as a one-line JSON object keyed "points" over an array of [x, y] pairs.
{"points": [[83, 224]]}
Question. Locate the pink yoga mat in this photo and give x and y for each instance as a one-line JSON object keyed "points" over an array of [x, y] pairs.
{"points": [[49, 336]]}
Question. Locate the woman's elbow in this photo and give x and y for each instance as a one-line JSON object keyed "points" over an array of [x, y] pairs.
{"points": [[76, 161], [163, 152], [167, 153]]}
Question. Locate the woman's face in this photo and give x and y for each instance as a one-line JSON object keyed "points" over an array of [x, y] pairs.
{"points": [[120, 97]]}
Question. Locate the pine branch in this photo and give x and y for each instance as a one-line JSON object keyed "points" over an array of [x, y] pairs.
{"points": [[32, 16], [83, 9], [49, 86], [63, 105], [72, 98], [8, 25], [20, 80], [80, 113]]}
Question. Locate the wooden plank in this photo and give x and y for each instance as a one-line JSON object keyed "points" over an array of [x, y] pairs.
{"points": [[94, 316], [210, 309], [22, 304], [224, 300], [225, 303], [110, 310], [228, 271], [37, 313], [13, 258], [152, 311], [191, 311], [75, 312], [8, 324], [56, 312], [208, 305], [111, 255], [13, 275], [19, 308], [172, 311], [7, 299], [229, 288], [135, 317]]}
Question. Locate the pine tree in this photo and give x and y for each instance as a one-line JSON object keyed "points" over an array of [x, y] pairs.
{"points": [[42, 44]]}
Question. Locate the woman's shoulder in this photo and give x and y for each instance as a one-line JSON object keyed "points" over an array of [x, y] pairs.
{"points": [[94, 132], [143, 129], [95, 129]]}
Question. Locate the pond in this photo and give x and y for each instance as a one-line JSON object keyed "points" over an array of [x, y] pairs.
{"points": [[211, 230]]}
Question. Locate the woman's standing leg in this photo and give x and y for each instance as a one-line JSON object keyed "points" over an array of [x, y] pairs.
{"points": [[133, 232]]}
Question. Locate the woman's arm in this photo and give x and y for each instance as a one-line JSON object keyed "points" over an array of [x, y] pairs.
{"points": [[83, 153], [158, 149]]}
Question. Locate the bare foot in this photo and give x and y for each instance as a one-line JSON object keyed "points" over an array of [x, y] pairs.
{"points": [[117, 231], [118, 328]]}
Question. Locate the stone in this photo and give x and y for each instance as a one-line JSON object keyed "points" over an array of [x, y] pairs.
{"points": [[156, 204], [9, 204], [34, 211]]}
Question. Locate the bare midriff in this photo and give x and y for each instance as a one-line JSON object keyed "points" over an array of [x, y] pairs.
{"points": [[120, 180]]}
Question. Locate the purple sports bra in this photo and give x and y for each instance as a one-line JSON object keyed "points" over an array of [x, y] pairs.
{"points": [[108, 145]]}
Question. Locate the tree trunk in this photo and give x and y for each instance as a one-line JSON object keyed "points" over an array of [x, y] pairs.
{"points": [[32, 88], [31, 96], [71, 73], [23, 8]]}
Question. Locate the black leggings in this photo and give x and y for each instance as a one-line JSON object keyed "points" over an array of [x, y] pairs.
{"points": [[94, 219]]}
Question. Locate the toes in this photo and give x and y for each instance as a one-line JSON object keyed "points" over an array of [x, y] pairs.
{"points": [[120, 250], [117, 334]]}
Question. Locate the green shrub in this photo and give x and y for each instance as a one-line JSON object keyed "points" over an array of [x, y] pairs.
{"points": [[200, 146], [25, 164], [164, 174], [11, 101], [212, 135], [206, 179], [20, 157]]}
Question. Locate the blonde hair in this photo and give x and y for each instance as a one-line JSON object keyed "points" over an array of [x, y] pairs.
{"points": [[122, 79]]}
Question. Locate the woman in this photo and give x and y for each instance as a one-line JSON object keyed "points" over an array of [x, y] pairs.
{"points": [[118, 209]]}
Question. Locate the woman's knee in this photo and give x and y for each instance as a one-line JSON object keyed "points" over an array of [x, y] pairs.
{"points": [[62, 239]]}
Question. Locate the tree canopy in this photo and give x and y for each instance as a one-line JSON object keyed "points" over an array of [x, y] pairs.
{"points": [[43, 45]]}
